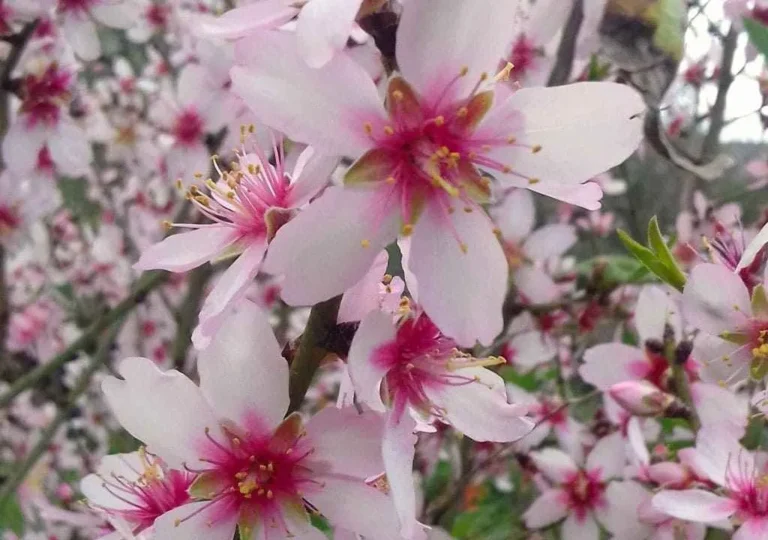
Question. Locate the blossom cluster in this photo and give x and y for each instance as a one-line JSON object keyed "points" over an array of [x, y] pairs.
{"points": [[350, 269]]}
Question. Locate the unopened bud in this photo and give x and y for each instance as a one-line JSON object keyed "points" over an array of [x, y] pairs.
{"points": [[641, 398]]}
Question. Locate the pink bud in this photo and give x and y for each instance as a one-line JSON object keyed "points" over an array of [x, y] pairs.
{"points": [[65, 492], [641, 398], [669, 474]]}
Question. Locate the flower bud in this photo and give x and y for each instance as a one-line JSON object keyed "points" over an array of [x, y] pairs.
{"points": [[641, 398]]}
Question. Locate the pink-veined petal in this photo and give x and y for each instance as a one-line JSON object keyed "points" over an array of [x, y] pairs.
{"points": [[622, 518], [247, 19], [608, 456], [580, 528], [654, 310], [165, 410], [554, 464], [694, 505], [243, 374], [398, 450], [327, 108], [752, 529], [182, 252], [535, 286], [436, 39], [611, 113], [715, 299], [462, 281], [311, 174], [375, 330], [330, 246], [363, 297], [479, 409]]}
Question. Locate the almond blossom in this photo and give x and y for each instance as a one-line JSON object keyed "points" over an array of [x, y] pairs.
{"points": [[246, 206], [418, 374], [418, 158], [256, 470], [79, 26]]}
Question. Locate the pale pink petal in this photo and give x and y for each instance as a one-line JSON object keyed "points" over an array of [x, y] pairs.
{"points": [[718, 406], [515, 216], [753, 248], [715, 299], [636, 442], [311, 174], [753, 529], [757, 168], [654, 310], [70, 149], [721, 457], [610, 363], [192, 88], [720, 361], [182, 252], [323, 29], [609, 456], [480, 409], [398, 450], [550, 241], [330, 246], [22, 144], [554, 464], [547, 509], [587, 195], [364, 296], [243, 374], [348, 440], [546, 19], [247, 19], [694, 505], [117, 14], [531, 349], [194, 520], [80, 32], [165, 410], [187, 160], [366, 374], [355, 506], [621, 518], [535, 286], [308, 105], [234, 280], [611, 113], [580, 529], [462, 282], [436, 39]]}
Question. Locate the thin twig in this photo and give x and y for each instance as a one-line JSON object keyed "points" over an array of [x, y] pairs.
{"points": [[566, 51]]}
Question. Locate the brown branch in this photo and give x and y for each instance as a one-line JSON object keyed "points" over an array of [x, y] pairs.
{"points": [[188, 313], [566, 51]]}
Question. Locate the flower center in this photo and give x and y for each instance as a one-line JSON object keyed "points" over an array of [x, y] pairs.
{"points": [[523, 56], [45, 94], [188, 127], [80, 7], [9, 220], [585, 492]]}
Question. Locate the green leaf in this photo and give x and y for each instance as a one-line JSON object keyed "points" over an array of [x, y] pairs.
{"points": [[663, 253], [11, 517], [526, 381], [671, 275], [617, 269], [74, 192], [758, 35]]}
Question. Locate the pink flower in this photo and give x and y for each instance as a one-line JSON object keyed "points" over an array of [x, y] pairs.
{"points": [[415, 372], [527, 250], [641, 398], [257, 471], [79, 28], [744, 496], [246, 206], [43, 121], [418, 159], [136, 489], [584, 495]]}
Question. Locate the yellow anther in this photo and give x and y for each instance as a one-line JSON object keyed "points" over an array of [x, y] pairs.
{"points": [[462, 112], [365, 243], [254, 169], [503, 75], [407, 229], [368, 127], [463, 71], [506, 169], [387, 279], [511, 139], [397, 95], [536, 148], [389, 131], [167, 225], [391, 180], [179, 183], [463, 247], [270, 494], [439, 120], [198, 175], [532, 181]]}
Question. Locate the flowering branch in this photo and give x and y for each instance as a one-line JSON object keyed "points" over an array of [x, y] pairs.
{"points": [[567, 48], [312, 349]]}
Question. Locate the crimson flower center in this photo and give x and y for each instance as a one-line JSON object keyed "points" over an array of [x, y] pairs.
{"points": [[584, 492], [188, 127]]}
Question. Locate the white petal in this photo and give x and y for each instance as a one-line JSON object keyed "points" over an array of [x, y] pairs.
{"points": [[550, 241], [22, 145], [554, 464], [247, 19], [548, 508], [70, 149], [610, 363], [312, 173], [81, 35], [398, 450], [580, 529], [694, 505], [654, 310], [609, 456], [753, 248], [323, 28], [243, 374], [117, 14], [715, 299], [515, 216], [363, 297], [195, 521]]}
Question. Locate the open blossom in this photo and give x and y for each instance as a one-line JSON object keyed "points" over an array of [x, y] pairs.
{"points": [[585, 495], [80, 29], [257, 471], [43, 121], [134, 489], [419, 157], [419, 375], [246, 207], [741, 479]]}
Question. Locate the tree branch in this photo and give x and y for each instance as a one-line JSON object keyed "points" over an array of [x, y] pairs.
{"points": [[566, 51], [188, 313]]}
